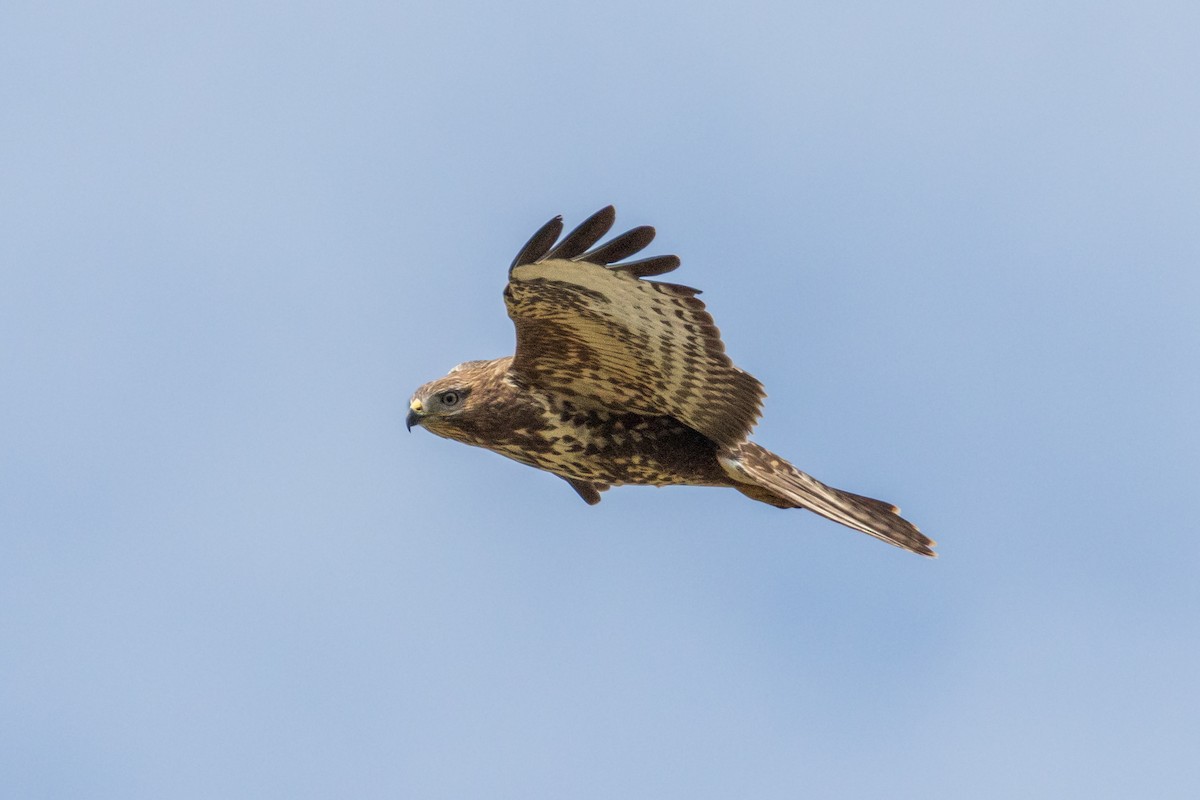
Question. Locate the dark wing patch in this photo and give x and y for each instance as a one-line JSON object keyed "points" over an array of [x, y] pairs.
{"points": [[539, 244], [607, 339], [622, 246], [647, 267], [590, 231]]}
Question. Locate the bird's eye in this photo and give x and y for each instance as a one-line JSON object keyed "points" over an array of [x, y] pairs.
{"points": [[450, 399]]}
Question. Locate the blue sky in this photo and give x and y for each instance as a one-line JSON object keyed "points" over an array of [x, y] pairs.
{"points": [[956, 241]]}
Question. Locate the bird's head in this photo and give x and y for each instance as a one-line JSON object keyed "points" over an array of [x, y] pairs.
{"points": [[447, 405]]}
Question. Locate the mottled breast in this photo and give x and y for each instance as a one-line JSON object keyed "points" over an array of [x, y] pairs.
{"points": [[607, 447]]}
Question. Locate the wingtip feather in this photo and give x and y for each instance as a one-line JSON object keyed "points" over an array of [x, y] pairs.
{"points": [[539, 244]]}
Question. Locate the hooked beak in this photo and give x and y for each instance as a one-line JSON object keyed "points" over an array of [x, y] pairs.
{"points": [[414, 415]]}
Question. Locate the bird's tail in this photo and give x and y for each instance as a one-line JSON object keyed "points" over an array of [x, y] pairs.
{"points": [[764, 476]]}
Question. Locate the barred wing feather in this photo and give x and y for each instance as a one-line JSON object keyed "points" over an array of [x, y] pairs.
{"points": [[609, 339]]}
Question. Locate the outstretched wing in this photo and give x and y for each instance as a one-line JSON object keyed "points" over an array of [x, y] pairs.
{"points": [[594, 330]]}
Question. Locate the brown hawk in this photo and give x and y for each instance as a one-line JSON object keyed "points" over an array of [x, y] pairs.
{"points": [[619, 380]]}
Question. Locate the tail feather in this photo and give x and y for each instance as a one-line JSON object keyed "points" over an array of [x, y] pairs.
{"points": [[761, 474]]}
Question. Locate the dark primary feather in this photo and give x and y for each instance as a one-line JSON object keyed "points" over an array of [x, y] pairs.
{"points": [[647, 267], [585, 235], [623, 246], [539, 244]]}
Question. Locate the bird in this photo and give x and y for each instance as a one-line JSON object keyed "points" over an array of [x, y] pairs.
{"points": [[620, 380]]}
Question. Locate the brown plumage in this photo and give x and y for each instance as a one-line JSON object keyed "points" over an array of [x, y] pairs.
{"points": [[619, 380]]}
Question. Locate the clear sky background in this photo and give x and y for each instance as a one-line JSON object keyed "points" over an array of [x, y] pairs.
{"points": [[958, 242]]}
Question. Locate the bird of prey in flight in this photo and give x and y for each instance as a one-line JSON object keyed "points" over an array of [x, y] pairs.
{"points": [[619, 380]]}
